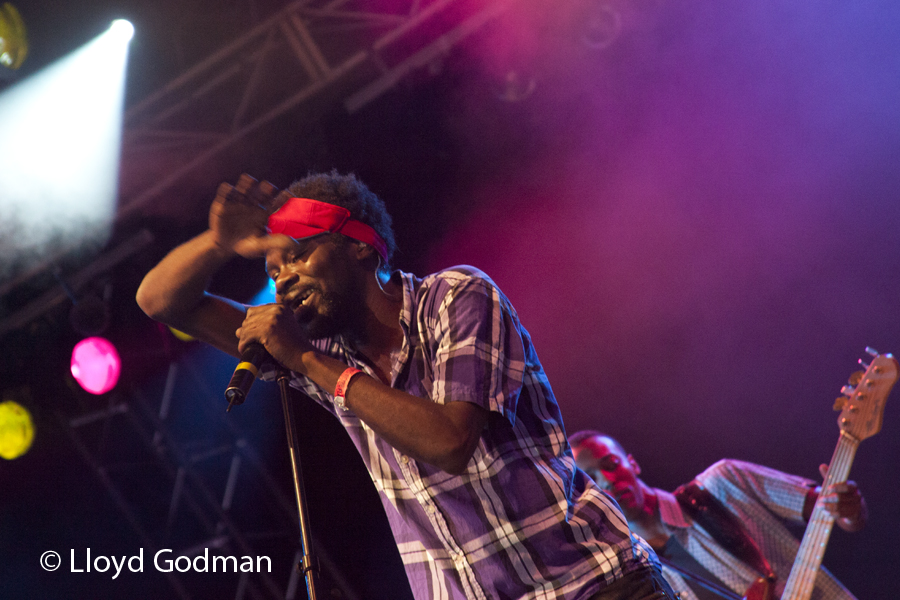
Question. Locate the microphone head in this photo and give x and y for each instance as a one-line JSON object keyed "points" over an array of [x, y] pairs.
{"points": [[234, 396]]}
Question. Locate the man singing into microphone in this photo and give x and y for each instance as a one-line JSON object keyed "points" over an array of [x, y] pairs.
{"points": [[436, 382]]}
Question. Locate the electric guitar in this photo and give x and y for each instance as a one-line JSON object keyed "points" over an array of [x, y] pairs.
{"points": [[862, 406]]}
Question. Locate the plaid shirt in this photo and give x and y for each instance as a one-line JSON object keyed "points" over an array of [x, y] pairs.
{"points": [[763, 499], [521, 522]]}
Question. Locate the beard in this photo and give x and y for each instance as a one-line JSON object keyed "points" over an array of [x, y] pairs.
{"points": [[336, 314], [631, 503]]}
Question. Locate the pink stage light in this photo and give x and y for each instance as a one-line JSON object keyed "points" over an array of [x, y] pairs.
{"points": [[96, 365]]}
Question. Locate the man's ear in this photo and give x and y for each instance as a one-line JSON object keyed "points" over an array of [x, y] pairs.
{"points": [[364, 251], [634, 465]]}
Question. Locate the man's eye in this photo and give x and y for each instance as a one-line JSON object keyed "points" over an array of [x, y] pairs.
{"points": [[299, 252], [609, 464], [303, 247]]}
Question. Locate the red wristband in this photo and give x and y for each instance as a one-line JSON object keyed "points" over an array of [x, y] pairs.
{"points": [[340, 390]]}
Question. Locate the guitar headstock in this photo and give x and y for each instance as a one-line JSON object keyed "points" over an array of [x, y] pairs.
{"points": [[862, 403]]}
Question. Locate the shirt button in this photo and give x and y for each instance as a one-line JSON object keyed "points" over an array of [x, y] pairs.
{"points": [[404, 459]]}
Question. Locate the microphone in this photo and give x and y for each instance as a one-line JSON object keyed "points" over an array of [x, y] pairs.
{"points": [[245, 374]]}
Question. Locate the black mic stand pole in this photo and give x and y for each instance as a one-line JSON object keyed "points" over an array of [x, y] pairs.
{"points": [[308, 564]]}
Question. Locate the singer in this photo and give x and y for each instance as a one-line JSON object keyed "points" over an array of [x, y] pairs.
{"points": [[462, 434]]}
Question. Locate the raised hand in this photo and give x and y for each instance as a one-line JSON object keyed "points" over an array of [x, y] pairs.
{"points": [[239, 214]]}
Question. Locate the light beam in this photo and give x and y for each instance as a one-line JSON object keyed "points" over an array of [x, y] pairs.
{"points": [[59, 152]]}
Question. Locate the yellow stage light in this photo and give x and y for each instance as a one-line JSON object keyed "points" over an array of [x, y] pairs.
{"points": [[181, 335], [16, 430], [13, 41]]}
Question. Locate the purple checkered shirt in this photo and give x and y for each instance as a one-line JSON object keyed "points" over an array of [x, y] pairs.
{"points": [[521, 521]]}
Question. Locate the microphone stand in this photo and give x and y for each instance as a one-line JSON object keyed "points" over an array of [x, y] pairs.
{"points": [[308, 564]]}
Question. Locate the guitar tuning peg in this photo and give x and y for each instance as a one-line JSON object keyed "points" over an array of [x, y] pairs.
{"points": [[865, 366], [839, 403], [872, 351], [848, 390], [856, 377]]}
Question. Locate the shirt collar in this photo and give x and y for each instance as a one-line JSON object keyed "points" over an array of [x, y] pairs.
{"points": [[409, 290], [407, 322]]}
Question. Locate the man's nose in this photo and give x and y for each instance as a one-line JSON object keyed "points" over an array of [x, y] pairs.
{"points": [[284, 281]]}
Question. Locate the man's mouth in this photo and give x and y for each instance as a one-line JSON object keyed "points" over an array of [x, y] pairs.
{"points": [[621, 493], [302, 300]]}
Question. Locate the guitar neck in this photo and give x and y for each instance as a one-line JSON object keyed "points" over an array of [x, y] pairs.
{"points": [[800, 583]]}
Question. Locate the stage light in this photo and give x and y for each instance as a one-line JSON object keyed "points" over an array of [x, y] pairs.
{"points": [[122, 29], [16, 430], [266, 295], [96, 365], [181, 335], [59, 153], [515, 86], [13, 41], [601, 26]]}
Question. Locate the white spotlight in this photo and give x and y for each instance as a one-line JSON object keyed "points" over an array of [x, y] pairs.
{"points": [[59, 152], [123, 29]]}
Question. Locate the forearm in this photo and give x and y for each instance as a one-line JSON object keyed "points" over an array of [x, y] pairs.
{"points": [[781, 493], [443, 435], [174, 292], [175, 287]]}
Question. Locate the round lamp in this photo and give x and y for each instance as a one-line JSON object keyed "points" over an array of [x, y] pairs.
{"points": [[96, 365], [16, 430]]}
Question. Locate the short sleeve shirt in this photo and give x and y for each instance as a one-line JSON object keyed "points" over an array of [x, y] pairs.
{"points": [[521, 521]]}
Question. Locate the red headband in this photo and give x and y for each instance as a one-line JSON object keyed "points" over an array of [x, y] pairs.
{"points": [[303, 217]]}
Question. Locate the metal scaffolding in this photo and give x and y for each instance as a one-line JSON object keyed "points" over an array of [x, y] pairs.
{"points": [[310, 53], [339, 51], [196, 488], [177, 491]]}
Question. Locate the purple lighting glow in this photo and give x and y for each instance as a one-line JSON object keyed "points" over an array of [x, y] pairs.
{"points": [[96, 365]]}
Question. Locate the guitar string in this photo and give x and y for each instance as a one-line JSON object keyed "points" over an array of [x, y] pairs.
{"points": [[800, 587]]}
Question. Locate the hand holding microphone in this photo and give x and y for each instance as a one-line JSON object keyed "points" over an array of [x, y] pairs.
{"points": [[278, 328]]}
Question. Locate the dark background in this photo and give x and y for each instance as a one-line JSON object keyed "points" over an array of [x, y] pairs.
{"points": [[697, 224]]}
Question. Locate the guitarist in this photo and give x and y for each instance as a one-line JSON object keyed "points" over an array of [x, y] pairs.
{"points": [[726, 529]]}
